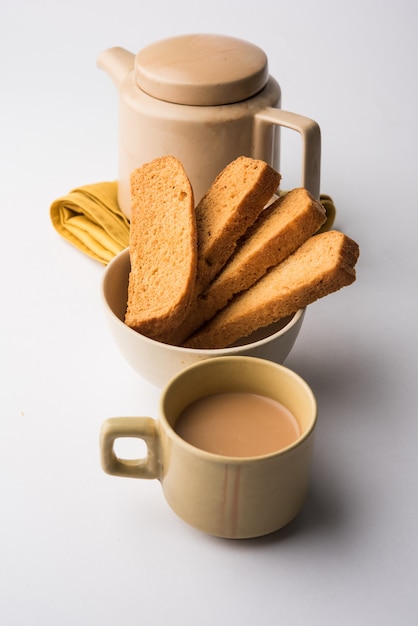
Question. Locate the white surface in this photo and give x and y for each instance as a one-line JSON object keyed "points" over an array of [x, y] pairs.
{"points": [[80, 547]]}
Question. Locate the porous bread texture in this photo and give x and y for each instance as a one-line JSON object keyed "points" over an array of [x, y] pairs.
{"points": [[277, 232], [162, 248], [233, 202], [322, 265]]}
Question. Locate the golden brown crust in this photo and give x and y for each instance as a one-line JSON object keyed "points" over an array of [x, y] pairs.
{"points": [[163, 248], [231, 205], [322, 265], [278, 231]]}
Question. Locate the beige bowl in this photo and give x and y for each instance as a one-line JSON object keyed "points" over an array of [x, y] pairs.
{"points": [[158, 362]]}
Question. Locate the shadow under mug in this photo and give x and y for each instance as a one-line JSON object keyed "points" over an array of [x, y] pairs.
{"points": [[229, 497]]}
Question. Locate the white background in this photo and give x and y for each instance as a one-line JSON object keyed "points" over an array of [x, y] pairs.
{"points": [[78, 547]]}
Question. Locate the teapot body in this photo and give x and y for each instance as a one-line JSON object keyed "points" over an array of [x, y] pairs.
{"points": [[206, 100], [204, 138]]}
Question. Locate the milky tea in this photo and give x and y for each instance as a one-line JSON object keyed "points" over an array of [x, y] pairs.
{"points": [[238, 424]]}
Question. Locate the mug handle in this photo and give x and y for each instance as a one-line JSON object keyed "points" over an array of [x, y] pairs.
{"points": [[144, 428], [311, 142]]}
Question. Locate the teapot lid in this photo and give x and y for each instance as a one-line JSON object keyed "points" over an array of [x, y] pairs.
{"points": [[201, 69]]}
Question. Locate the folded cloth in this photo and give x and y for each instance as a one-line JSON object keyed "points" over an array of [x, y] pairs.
{"points": [[329, 206], [89, 218]]}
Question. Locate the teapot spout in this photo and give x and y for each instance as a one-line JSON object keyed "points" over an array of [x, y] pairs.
{"points": [[117, 62]]}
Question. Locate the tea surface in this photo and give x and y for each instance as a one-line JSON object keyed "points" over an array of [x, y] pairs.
{"points": [[238, 424]]}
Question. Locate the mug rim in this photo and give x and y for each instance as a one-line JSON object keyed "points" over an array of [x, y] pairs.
{"points": [[223, 458]]}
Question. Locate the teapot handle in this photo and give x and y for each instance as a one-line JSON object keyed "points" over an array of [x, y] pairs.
{"points": [[311, 142]]}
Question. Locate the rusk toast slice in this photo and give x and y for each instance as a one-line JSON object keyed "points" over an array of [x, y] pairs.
{"points": [[322, 265], [278, 231], [233, 202], [163, 248]]}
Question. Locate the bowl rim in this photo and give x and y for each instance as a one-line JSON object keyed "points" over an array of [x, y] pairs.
{"points": [[294, 320]]}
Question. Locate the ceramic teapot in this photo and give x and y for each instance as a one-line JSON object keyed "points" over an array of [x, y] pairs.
{"points": [[205, 99]]}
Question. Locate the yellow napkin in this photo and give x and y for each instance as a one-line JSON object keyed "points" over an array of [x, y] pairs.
{"points": [[89, 217], [329, 206]]}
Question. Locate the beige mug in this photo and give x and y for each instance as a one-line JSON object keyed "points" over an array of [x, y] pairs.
{"points": [[226, 496], [205, 99]]}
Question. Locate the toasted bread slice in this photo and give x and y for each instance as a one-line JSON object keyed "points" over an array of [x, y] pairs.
{"points": [[278, 231], [233, 202], [162, 247], [322, 265]]}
